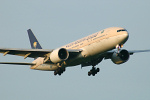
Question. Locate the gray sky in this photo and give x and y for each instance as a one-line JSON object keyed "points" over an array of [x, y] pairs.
{"points": [[58, 22]]}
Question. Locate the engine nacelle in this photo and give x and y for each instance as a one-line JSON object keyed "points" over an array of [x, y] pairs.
{"points": [[121, 57], [59, 55]]}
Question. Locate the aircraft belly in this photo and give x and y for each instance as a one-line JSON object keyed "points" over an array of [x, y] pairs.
{"points": [[75, 61]]}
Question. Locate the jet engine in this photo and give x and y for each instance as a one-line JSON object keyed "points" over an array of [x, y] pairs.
{"points": [[120, 57], [59, 55]]}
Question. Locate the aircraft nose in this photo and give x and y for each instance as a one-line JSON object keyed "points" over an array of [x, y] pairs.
{"points": [[126, 35]]}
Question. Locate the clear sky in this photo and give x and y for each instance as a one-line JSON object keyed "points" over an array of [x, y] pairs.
{"points": [[58, 22]]}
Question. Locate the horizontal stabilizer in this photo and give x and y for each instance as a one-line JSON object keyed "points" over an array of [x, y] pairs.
{"points": [[17, 63]]}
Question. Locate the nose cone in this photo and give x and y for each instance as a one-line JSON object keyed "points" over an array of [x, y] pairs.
{"points": [[125, 36]]}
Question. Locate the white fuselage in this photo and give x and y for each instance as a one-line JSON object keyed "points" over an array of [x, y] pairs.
{"points": [[91, 46]]}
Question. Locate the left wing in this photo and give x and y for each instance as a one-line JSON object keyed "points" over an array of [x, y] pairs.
{"points": [[108, 54], [137, 51]]}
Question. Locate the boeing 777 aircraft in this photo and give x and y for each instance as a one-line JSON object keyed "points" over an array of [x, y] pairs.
{"points": [[88, 51]]}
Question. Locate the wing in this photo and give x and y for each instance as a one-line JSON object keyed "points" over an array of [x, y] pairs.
{"points": [[137, 51], [33, 53], [107, 55], [17, 63]]}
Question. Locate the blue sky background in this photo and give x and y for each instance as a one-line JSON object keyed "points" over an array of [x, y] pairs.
{"points": [[58, 22]]}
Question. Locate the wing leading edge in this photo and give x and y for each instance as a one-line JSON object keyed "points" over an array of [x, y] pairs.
{"points": [[33, 53], [108, 54], [17, 63]]}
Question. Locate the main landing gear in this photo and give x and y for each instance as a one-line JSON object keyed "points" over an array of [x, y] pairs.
{"points": [[93, 71], [59, 71]]}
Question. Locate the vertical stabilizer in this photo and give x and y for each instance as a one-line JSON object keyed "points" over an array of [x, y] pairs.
{"points": [[33, 41]]}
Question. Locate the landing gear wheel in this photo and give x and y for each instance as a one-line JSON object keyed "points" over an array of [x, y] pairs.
{"points": [[97, 69], [89, 73], [59, 71], [55, 73], [59, 74], [93, 74], [64, 69], [93, 71]]}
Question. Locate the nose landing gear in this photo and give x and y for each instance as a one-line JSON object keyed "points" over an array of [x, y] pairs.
{"points": [[93, 71]]}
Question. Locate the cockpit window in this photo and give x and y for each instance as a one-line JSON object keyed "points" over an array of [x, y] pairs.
{"points": [[121, 30]]}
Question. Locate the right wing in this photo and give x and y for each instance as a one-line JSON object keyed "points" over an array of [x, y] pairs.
{"points": [[33, 53], [17, 63]]}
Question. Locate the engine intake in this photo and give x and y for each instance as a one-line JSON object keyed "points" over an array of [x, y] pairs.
{"points": [[121, 57], [59, 55]]}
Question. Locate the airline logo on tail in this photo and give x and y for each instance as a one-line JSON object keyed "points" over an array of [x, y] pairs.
{"points": [[35, 44]]}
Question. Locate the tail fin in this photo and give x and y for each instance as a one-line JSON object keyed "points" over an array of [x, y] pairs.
{"points": [[33, 41]]}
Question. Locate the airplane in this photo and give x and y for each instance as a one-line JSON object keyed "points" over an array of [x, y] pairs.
{"points": [[87, 51]]}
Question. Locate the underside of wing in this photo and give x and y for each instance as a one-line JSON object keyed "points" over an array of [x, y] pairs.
{"points": [[121, 56], [108, 55], [74, 53], [61, 54], [33, 53], [137, 51], [49, 55], [116, 57], [17, 63]]}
